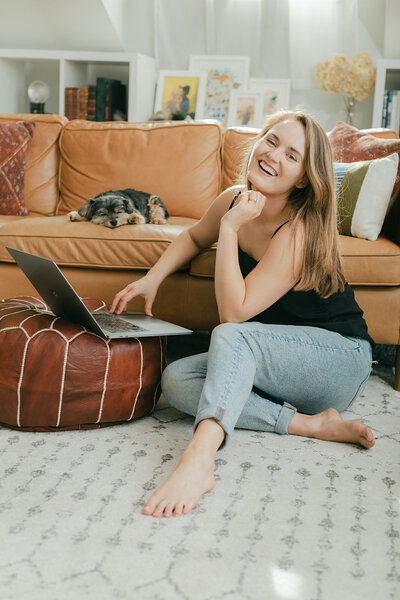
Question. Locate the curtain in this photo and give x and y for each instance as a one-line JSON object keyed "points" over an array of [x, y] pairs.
{"points": [[284, 38]]}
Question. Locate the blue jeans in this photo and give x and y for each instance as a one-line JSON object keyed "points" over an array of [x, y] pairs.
{"points": [[254, 374]]}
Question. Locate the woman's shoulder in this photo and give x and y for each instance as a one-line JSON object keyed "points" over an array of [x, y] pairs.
{"points": [[230, 194]]}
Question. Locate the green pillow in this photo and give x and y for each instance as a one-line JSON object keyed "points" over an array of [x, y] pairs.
{"points": [[363, 191]]}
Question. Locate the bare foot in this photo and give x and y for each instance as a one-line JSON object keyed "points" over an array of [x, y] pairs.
{"points": [[193, 477], [329, 425]]}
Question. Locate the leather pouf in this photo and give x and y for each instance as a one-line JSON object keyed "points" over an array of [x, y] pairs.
{"points": [[56, 375]]}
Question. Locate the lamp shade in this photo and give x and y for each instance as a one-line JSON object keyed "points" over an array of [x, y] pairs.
{"points": [[38, 92]]}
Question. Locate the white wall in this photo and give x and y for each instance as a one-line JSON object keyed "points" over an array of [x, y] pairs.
{"points": [[392, 29], [128, 25], [57, 25]]}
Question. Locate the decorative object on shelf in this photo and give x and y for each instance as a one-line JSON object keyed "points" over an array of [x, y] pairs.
{"points": [[245, 108], [179, 92], [224, 74], [38, 93], [276, 93], [352, 77]]}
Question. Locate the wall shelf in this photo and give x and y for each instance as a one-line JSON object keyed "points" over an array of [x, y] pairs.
{"points": [[387, 78], [61, 69]]}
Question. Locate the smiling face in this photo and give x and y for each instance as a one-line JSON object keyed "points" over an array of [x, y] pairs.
{"points": [[276, 164]]}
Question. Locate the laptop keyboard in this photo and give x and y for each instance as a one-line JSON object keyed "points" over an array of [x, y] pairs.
{"points": [[113, 323]]}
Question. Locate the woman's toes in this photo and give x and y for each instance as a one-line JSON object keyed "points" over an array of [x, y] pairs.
{"points": [[168, 511], [159, 509], [189, 505], [178, 509]]}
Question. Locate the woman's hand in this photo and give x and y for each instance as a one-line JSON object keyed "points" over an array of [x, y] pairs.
{"points": [[249, 207], [145, 287]]}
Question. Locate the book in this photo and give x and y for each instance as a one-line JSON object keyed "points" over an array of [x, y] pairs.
{"points": [[385, 109], [71, 102], [110, 97], [76, 100], [83, 102], [91, 105]]}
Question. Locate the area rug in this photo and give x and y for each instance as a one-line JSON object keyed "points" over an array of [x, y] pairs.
{"points": [[289, 518]]}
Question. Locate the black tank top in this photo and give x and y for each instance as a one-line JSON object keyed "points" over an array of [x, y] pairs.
{"points": [[340, 312]]}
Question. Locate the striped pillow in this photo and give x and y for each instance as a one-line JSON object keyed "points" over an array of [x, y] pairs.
{"points": [[363, 191]]}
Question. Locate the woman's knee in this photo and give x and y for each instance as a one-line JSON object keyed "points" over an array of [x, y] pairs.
{"points": [[226, 333]]}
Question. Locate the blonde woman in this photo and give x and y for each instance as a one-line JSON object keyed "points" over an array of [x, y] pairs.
{"points": [[292, 350]]}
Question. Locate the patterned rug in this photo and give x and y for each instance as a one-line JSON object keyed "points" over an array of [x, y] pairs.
{"points": [[289, 518]]}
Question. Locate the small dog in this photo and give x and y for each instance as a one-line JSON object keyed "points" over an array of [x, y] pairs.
{"points": [[122, 207]]}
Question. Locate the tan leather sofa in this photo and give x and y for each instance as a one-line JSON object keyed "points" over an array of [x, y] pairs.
{"points": [[187, 165]]}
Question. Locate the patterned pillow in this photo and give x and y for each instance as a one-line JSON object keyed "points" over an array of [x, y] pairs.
{"points": [[349, 144], [363, 191], [15, 140]]}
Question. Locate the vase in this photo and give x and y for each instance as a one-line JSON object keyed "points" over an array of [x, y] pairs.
{"points": [[349, 102]]}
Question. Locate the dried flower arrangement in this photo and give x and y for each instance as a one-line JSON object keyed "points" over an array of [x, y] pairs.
{"points": [[352, 77]]}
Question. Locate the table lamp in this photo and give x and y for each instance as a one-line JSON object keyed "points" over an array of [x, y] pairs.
{"points": [[38, 92]]}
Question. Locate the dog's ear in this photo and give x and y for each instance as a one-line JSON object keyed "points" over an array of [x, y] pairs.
{"points": [[86, 211], [128, 206]]}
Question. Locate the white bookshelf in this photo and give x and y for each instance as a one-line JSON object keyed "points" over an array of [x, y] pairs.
{"points": [[387, 78], [61, 69]]}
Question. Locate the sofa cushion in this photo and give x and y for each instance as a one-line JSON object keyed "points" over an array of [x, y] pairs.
{"points": [[363, 192], [180, 162], [15, 140], [42, 161], [236, 141], [365, 262], [84, 244], [350, 144]]}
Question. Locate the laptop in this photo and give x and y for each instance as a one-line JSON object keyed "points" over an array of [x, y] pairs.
{"points": [[64, 302]]}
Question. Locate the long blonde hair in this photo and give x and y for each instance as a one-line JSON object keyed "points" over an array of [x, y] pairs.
{"points": [[314, 205]]}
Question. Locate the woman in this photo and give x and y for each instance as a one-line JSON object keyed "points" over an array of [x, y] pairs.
{"points": [[292, 349]]}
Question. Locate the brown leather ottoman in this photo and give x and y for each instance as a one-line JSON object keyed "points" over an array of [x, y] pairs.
{"points": [[56, 375]]}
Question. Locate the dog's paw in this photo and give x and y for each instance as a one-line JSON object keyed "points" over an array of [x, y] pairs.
{"points": [[73, 215], [136, 219], [158, 221]]}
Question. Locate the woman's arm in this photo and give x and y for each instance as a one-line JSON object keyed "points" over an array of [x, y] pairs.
{"points": [[198, 237], [181, 251], [277, 272]]}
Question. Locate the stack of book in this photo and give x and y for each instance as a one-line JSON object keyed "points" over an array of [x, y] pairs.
{"points": [[76, 100], [105, 101], [391, 110]]}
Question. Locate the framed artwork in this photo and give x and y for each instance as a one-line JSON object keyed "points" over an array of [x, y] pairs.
{"points": [[276, 93], [223, 75], [180, 91], [245, 108]]}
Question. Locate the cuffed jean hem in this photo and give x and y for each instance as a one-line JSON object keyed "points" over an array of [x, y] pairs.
{"points": [[203, 416], [281, 426], [285, 416]]}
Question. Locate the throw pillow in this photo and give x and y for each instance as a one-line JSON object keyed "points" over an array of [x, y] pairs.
{"points": [[363, 191], [15, 140], [349, 144]]}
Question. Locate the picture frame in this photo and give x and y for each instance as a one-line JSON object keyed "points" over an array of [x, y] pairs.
{"points": [[172, 95], [223, 74], [245, 109], [276, 93]]}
